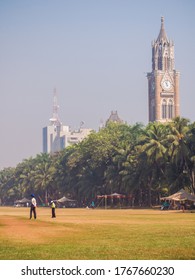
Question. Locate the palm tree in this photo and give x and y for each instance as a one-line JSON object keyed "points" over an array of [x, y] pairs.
{"points": [[24, 176], [178, 149], [152, 156], [191, 160], [8, 188], [44, 175]]}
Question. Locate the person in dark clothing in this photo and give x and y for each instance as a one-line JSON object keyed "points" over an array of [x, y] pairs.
{"points": [[33, 207]]}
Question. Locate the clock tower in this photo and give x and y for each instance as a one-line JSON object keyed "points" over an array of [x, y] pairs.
{"points": [[163, 81]]}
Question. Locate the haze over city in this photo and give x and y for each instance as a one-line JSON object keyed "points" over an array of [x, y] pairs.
{"points": [[95, 53]]}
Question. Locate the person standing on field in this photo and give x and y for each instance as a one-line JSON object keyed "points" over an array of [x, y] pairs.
{"points": [[93, 205], [53, 209], [33, 207]]}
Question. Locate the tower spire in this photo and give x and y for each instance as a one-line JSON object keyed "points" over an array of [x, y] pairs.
{"points": [[55, 118], [162, 37], [162, 51]]}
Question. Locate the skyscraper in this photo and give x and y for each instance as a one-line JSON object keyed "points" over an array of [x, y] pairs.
{"points": [[163, 81], [56, 136], [53, 134]]}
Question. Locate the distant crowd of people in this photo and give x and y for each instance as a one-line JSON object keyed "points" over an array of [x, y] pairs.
{"points": [[179, 205]]}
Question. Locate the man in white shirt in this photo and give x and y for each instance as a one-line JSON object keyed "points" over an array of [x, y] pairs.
{"points": [[33, 207]]}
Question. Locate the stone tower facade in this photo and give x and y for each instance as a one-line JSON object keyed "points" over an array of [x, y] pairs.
{"points": [[163, 81]]}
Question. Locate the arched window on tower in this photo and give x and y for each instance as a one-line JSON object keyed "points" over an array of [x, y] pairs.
{"points": [[160, 57], [164, 109], [170, 109], [160, 63]]}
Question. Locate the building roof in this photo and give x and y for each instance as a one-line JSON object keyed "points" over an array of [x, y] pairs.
{"points": [[114, 118]]}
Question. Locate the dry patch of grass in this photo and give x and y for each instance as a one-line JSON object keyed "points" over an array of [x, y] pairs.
{"points": [[96, 234]]}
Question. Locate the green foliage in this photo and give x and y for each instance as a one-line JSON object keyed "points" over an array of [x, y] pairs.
{"points": [[135, 160]]}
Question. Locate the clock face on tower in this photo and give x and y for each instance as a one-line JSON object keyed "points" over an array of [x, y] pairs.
{"points": [[166, 84]]}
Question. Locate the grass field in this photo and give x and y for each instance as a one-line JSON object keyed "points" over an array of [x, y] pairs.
{"points": [[82, 234]]}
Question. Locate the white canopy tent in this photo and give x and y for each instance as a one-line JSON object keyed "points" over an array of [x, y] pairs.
{"points": [[181, 195], [64, 199], [67, 202]]}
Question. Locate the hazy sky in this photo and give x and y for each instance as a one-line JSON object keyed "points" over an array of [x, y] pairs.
{"points": [[95, 52]]}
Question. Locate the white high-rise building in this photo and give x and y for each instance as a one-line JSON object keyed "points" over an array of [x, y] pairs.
{"points": [[56, 136]]}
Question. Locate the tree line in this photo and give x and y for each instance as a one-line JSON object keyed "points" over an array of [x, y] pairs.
{"points": [[142, 162]]}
